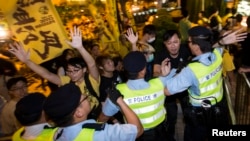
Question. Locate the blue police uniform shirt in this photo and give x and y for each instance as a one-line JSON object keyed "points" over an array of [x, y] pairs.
{"points": [[186, 78], [116, 132]]}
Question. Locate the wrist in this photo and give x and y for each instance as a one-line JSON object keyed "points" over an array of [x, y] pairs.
{"points": [[219, 43]]}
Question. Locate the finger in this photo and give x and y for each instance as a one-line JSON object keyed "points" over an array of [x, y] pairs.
{"points": [[71, 32]]}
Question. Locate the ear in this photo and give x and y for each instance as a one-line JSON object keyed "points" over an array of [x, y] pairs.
{"points": [[100, 67], [78, 113]]}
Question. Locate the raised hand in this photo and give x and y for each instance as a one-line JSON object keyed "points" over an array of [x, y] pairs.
{"points": [[165, 67], [18, 50], [132, 38], [76, 36], [230, 37]]}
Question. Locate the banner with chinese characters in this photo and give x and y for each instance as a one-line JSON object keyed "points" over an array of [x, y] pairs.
{"points": [[37, 26]]}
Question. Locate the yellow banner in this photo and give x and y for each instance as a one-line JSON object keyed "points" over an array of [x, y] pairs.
{"points": [[37, 25], [107, 36]]}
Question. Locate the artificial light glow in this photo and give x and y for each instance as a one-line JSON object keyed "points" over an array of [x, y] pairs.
{"points": [[3, 33], [135, 8]]}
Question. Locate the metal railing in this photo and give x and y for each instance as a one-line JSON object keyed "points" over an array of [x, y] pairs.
{"points": [[229, 102], [242, 100]]}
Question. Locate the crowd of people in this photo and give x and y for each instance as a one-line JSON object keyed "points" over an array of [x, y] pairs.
{"points": [[100, 97]]}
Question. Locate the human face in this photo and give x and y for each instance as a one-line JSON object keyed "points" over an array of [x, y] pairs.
{"points": [[84, 104], [149, 56], [19, 90], [75, 73], [173, 45], [95, 51], [108, 65], [70, 54], [191, 46], [151, 38]]}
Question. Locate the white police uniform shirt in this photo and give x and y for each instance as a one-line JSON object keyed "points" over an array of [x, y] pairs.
{"points": [[116, 132]]}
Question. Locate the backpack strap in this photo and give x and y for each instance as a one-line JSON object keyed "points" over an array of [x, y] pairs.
{"points": [[89, 86]]}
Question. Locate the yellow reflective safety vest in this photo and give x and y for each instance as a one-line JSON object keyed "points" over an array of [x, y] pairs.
{"points": [[86, 134], [210, 81], [148, 103], [46, 135]]}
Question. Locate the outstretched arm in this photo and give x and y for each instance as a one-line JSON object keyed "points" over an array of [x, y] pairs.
{"points": [[230, 37], [24, 56], [76, 35], [132, 38]]}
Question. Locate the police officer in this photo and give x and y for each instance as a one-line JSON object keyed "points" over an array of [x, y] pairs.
{"points": [[145, 98], [68, 109], [29, 112], [203, 79]]}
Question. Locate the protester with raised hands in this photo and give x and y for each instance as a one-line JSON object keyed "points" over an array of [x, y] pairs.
{"points": [[78, 70]]}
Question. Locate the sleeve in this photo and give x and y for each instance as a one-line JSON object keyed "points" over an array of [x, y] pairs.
{"points": [[182, 81], [64, 79], [109, 109], [117, 132]]}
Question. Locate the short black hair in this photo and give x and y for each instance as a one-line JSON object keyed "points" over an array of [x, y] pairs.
{"points": [[77, 62], [149, 29], [14, 80], [29, 108], [169, 34]]}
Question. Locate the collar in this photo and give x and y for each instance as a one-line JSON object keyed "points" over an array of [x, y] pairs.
{"points": [[31, 132]]}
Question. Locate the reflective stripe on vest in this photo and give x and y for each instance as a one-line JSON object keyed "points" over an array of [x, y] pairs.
{"points": [[210, 81], [45, 135], [148, 103], [86, 134]]}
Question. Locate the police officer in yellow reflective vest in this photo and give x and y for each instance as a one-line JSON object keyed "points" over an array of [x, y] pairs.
{"points": [[68, 109], [146, 99], [203, 79], [29, 112]]}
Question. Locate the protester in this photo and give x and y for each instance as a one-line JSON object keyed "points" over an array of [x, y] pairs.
{"points": [[17, 89], [82, 72]]}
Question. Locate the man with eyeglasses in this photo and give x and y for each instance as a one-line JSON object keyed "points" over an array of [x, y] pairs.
{"points": [[71, 117], [78, 70], [17, 89]]}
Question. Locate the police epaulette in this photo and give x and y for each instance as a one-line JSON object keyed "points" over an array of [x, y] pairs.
{"points": [[48, 127], [96, 126]]}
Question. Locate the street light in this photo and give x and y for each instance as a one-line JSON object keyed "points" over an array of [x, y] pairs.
{"points": [[4, 31]]}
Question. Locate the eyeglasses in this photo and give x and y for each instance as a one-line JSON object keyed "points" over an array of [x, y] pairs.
{"points": [[72, 71], [19, 88]]}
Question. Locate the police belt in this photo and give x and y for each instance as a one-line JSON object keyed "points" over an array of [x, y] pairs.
{"points": [[214, 99]]}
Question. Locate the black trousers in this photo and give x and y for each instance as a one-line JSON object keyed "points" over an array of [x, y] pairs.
{"points": [[156, 134], [200, 121], [172, 109]]}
